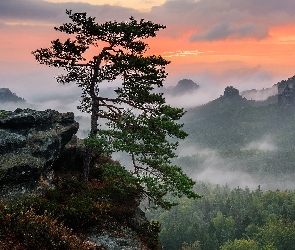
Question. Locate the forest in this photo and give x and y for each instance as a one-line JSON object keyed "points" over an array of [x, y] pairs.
{"points": [[232, 135], [227, 218], [242, 136]]}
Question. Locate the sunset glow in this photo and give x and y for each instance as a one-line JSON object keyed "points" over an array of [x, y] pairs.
{"points": [[202, 37]]}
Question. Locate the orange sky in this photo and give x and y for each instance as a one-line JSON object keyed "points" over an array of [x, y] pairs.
{"points": [[276, 53], [223, 39]]}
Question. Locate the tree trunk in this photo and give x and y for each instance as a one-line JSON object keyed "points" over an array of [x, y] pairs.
{"points": [[86, 163], [94, 119]]}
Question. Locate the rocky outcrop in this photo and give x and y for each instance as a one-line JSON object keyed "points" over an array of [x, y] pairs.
{"points": [[7, 96], [118, 238], [184, 86], [30, 142], [39, 148], [286, 93], [231, 92]]}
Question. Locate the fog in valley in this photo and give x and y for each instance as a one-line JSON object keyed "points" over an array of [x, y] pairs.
{"points": [[42, 92], [211, 167]]}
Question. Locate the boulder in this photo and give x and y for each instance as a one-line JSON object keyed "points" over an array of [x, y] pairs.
{"points": [[30, 142]]}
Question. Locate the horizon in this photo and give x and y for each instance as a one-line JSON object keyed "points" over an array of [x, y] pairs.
{"points": [[214, 43]]}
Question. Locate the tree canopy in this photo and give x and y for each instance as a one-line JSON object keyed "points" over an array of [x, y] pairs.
{"points": [[138, 119], [228, 218]]}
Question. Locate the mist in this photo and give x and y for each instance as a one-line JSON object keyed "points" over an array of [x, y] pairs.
{"points": [[261, 94], [206, 164], [266, 143], [41, 91], [213, 83]]}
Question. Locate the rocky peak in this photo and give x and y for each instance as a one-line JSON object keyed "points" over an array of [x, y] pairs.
{"points": [[30, 142], [7, 96], [184, 86], [286, 93], [231, 92]]}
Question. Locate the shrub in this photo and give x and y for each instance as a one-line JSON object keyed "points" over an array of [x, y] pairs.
{"points": [[27, 230]]}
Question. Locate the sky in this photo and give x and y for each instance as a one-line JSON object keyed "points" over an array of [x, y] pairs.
{"points": [[216, 43]]}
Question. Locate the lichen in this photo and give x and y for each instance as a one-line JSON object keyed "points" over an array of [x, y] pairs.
{"points": [[2, 113]]}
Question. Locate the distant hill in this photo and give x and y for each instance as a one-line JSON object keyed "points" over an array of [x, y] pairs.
{"points": [[230, 100], [184, 86], [231, 121], [7, 96], [232, 134]]}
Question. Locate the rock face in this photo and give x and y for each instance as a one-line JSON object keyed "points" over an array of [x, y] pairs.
{"points": [[30, 142], [286, 93], [33, 145]]}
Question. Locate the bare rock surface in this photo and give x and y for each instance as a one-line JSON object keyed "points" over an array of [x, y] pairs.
{"points": [[30, 142]]}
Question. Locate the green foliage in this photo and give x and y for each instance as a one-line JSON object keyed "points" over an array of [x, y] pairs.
{"points": [[138, 120], [230, 219], [192, 246], [58, 218], [150, 233], [151, 152], [2, 113], [224, 228], [121, 186], [278, 232], [241, 245]]}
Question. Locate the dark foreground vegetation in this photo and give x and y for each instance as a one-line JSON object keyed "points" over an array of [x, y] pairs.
{"points": [[61, 218]]}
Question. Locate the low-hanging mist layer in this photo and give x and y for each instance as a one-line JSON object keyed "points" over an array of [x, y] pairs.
{"points": [[232, 141], [236, 142]]}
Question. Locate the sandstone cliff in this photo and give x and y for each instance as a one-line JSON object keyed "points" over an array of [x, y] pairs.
{"points": [[30, 142], [40, 160]]}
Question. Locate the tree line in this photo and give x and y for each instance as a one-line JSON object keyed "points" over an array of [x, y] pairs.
{"points": [[227, 218]]}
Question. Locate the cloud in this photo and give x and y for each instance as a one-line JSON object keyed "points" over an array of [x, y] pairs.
{"points": [[197, 98], [264, 144], [204, 19], [221, 19], [264, 7], [225, 30], [28, 10], [227, 177], [182, 53], [42, 11], [208, 165], [260, 94]]}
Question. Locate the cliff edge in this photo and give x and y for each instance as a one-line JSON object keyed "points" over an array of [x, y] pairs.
{"points": [[43, 205], [30, 142]]}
